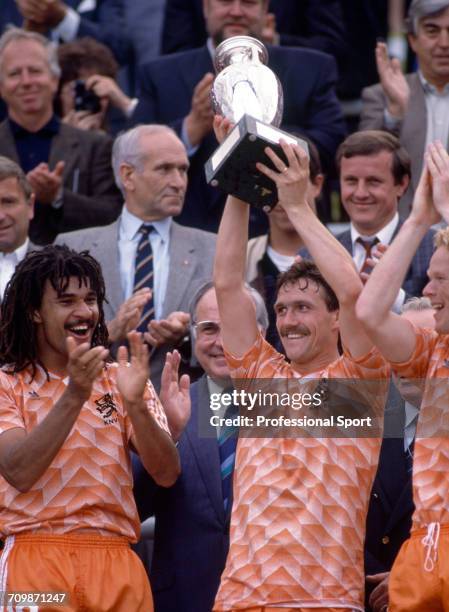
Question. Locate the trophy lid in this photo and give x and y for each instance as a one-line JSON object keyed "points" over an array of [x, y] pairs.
{"points": [[239, 46]]}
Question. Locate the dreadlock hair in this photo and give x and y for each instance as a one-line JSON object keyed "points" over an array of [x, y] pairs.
{"points": [[303, 273], [23, 297]]}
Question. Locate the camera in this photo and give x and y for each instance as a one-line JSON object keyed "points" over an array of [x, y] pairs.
{"points": [[85, 99]]}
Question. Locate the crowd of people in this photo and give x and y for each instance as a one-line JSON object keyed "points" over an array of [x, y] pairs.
{"points": [[140, 306]]}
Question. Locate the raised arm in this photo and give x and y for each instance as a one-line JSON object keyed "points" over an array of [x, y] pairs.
{"points": [[392, 334], [154, 445], [332, 259], [237, 311]]}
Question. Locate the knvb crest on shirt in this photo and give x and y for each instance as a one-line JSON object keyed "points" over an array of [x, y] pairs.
{"points": [[107, 408]]}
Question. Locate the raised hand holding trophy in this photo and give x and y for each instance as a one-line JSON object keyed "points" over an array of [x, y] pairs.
{"points": [[249, 94]]}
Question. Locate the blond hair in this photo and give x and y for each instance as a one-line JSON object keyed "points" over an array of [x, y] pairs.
{"points": [[442, 238]]}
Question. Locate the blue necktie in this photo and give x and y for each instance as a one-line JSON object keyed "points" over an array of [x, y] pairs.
{"points": [[227, 442], [143, 275]]}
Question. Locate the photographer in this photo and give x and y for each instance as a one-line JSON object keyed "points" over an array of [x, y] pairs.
{"points": [[88, 86]]}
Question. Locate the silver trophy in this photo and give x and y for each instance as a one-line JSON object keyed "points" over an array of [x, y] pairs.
{"points": [[250, 95]]}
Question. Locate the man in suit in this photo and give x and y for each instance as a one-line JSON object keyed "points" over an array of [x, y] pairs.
{"points": [[69, 169], [183, 100], [304, 23], [374, 173], [65, 21], [192, 519], [150, 166], [414, 106], [16, 212]]}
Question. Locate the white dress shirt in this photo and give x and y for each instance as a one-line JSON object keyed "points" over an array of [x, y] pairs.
{"points": [[128, 241], [8, 263], [385, 236]]}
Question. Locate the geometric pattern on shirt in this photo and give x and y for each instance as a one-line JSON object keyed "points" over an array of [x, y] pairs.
{"points": [[299, 509], [88, 484], [144, 274]]}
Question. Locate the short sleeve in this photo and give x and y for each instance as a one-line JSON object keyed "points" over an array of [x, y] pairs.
{"points": [[10, 414], [418, 364]]}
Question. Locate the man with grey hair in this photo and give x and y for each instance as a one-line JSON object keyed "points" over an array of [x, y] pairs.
{"points": [[16, 212], [192, 516], [69, 169], [414, 106], [149, 262]]}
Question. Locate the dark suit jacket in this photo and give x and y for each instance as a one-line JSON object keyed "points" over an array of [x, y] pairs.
{"points": [[416, 278], [391, 507], [105, 23], [90, 196], [310, 106], [192, 528], [191, 257], [301, 23]]}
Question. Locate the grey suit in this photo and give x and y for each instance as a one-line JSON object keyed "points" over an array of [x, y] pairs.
{"points": [[90, 196], [191, 256], [411, 130]]}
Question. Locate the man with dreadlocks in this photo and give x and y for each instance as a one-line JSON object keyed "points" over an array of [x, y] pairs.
{"points": [[68, 419]]}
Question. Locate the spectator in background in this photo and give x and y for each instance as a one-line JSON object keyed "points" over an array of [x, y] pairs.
{"points": [[414, 106], [150, 166], [374, 174], [69, 169], [16, 212], [92, 63], [176, 90], [302, 23], [275, 252], [65, 21]]}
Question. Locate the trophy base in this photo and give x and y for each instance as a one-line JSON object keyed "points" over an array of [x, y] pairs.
{"points": [[232, 167]]}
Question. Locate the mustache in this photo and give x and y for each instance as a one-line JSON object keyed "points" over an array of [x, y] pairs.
{"points": [[297, 329]]}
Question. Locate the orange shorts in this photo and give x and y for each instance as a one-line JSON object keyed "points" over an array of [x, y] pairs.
{"points": [[95, 573], [419, 579]]}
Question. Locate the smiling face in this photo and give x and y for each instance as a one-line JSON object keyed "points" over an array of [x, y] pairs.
{"points": [[16, 213], [208, 343], [157, 190], [368, 190], [308, 330], [73, 313], [26, 82], [431, 45], [437, 289], [226, 18]]}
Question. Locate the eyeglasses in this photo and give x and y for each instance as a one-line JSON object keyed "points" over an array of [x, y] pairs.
{"points": [[207, 328]]}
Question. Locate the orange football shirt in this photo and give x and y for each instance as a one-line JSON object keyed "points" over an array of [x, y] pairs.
{"points": [[88, 486], [300, 504], [429, 365]]}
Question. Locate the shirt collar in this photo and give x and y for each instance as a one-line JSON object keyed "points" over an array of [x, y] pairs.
{"points": [[211, 49], [130, 225], [384, 235], [429, 88], [19, 253], [51, 127]]}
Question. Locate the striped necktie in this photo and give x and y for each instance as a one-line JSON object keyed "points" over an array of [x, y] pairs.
{"points": [[368, 246], [227, 442], [143, 275]]}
